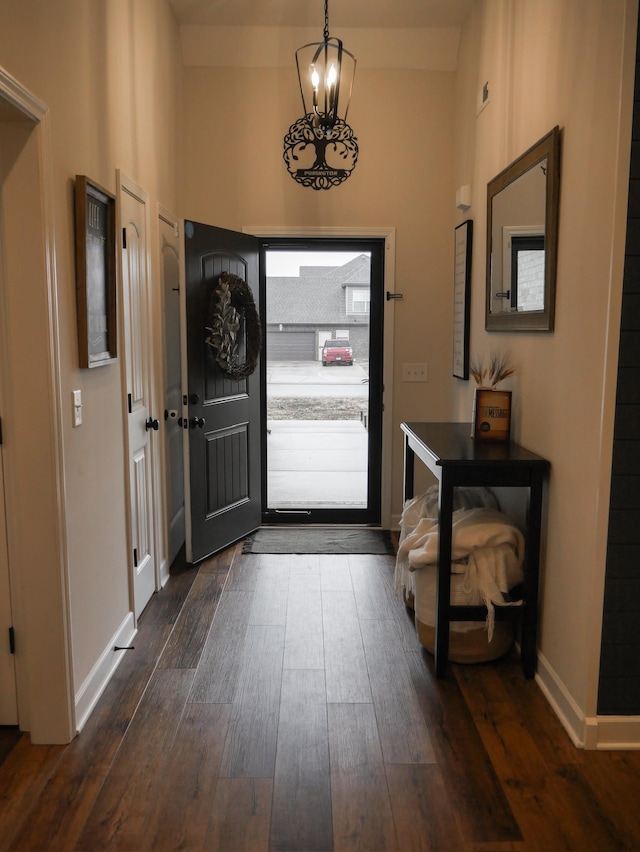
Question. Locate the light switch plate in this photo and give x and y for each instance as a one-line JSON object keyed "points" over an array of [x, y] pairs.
{"points": [[415, 372], [77, 407]]}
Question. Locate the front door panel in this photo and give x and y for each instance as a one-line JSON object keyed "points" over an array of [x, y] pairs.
{"points": [[223, 415]]}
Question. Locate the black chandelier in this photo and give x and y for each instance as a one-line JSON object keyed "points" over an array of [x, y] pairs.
{"points": [[320, 149]]}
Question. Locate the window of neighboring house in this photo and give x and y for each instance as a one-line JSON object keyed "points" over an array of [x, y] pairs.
{"points": [[360, 301]]}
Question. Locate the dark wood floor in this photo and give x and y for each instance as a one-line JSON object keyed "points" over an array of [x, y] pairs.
{"points": [[284, 703]]}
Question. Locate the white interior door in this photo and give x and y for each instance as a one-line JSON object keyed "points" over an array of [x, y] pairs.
{"points": [[173, 432], [142, 422]]}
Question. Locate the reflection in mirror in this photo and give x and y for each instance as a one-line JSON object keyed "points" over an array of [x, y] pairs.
{"points": [[522, 218]]}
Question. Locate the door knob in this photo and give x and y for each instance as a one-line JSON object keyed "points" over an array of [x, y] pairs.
{"points": [[150, 423], [197, 422]]}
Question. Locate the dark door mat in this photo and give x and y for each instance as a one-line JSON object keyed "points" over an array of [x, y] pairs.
{"points": [[319, 540]]}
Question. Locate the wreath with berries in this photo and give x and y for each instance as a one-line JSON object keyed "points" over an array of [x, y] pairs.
{"points": [[230, 302]]}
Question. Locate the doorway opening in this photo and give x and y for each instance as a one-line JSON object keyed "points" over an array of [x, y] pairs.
{"points": [[322, 379]]}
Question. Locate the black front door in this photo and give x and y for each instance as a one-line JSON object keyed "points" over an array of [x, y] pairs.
{"points": [[223, 414]]}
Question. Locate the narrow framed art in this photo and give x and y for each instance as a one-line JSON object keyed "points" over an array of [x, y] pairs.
{"points": [[95, 210], [461, 298]]}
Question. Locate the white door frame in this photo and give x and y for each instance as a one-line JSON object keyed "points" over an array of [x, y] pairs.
{"points": [[37, 563], [166, 217], [389, 236]]}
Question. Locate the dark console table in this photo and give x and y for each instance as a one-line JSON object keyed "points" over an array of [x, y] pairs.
{"points": [[456, 459]]}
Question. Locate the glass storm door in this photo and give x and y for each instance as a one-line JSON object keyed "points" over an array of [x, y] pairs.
{"points": [[322, 323]]}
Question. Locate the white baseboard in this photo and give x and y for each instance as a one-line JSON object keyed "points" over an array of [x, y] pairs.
{"points": [[620, 733], [561, 701], [395, 522], [94, 684], [603, 733]]}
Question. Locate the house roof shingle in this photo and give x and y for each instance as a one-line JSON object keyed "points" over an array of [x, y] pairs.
{"points": [[317, 295]]}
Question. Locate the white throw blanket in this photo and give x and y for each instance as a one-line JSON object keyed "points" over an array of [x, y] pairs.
{"points": [[486, 547], [426, 506]]}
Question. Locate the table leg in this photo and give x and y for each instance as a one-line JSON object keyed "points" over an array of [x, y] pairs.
{"points": [[529, 638], [409, 465], [443, 600]]}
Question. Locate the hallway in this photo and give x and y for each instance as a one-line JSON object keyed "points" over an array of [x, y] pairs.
{"points": [[284, 703]]}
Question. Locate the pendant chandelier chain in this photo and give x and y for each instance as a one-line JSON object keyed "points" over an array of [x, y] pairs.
{"points": [[326, 21]]}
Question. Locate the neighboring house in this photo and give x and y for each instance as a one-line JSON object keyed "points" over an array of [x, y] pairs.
{"points": [[323, 302]]}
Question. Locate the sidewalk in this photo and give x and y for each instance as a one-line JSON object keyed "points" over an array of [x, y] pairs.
{"points": [[317, 463]]}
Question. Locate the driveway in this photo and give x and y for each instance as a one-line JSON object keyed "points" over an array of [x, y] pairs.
{"points": [[316, 455], [310, 378]]}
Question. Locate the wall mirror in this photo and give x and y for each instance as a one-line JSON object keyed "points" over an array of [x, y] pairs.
{"points": [[522, 240]]}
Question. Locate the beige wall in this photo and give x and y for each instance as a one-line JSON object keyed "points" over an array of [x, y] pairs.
{"points": [[569, 63], [235, 121], [109, 72]]}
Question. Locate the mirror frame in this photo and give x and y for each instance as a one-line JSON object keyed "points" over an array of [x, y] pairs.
{"points": [[549, 147]]}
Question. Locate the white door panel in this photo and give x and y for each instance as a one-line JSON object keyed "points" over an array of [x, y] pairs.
{"points": [[138, 369]]}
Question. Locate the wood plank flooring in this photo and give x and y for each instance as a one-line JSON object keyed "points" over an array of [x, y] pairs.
{"points": [[284, 703]]}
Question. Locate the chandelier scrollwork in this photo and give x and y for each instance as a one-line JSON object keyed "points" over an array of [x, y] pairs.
{"points": [[320, 149]]}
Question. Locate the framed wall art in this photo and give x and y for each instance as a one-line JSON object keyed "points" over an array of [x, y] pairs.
{"points": [[95, 273], [461, 298]]}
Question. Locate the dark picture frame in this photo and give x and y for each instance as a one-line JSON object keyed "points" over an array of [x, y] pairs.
{"points": [[463, 243], [95, 225]]}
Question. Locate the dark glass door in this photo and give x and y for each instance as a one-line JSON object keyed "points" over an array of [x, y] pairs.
{"points": [[322, 379]]}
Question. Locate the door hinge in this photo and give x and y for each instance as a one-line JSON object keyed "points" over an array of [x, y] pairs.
{"points": [[129, 402], [135, 557], [124, 238], [12, 640]]}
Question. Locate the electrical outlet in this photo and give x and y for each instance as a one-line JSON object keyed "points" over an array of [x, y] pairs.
{"points": [[415, 372]]}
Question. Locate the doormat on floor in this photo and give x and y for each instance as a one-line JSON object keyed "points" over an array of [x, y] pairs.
{"points": [[318, 540]]}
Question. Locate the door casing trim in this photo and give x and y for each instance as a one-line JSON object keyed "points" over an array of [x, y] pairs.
{"points": [[49, 715], [388, 234], [164, 215]]}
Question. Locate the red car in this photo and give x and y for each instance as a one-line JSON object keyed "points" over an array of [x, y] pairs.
{"points": [[337, 352]]}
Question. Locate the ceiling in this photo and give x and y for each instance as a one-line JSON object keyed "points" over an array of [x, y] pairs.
{"points": [[342, 13]]}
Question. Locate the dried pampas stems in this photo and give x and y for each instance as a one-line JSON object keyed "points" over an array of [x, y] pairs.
{"points": [[498, 369]]}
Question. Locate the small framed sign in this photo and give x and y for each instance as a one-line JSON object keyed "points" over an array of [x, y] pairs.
{"points": [[491, 415], [95, 273], [461, 298]]}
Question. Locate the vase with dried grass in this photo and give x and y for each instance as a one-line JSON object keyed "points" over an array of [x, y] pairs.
{"points": [[491, 420]]}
